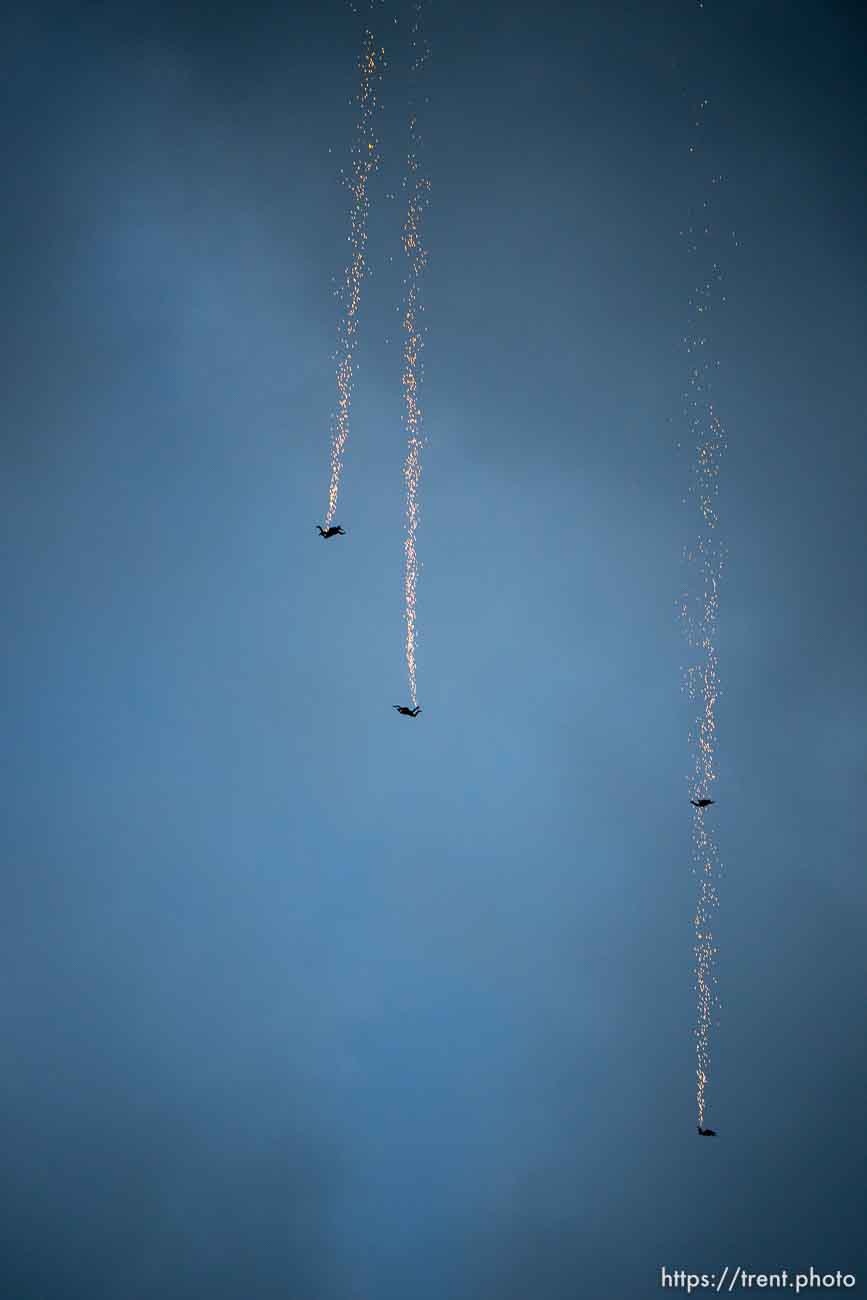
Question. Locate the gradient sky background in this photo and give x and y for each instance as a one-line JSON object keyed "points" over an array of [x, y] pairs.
{"points": [[305, 1000]]}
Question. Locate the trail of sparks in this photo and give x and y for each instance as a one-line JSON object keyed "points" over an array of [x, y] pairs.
{"points": [[418, 187], [699, 611], [703, 687], [364, 162]]}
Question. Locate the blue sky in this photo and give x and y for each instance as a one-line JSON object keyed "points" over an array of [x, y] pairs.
{"points": [[305, 999]]}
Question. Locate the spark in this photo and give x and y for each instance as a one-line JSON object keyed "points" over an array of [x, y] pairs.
{"points": [[418, 187], [365, 160], [703, 686], [699, 611]]}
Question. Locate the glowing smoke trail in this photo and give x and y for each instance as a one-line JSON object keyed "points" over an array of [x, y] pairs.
{"points": [[364, 162], [418, 187], [700, 610]]}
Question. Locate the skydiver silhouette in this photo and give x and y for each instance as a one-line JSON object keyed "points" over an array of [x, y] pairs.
{"points": [[706, 1132], [702, 803], [407, 713], [331, 532]]}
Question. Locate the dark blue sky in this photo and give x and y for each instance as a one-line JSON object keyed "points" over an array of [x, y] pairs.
{"points": [[302, 999]]}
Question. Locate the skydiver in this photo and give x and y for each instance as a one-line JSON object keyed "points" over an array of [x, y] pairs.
{"points": [[331, 532], [706, 1132], [407, 713], [702, 803]]}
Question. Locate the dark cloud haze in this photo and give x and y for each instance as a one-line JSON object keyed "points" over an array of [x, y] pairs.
{"points": [[301, 998]]}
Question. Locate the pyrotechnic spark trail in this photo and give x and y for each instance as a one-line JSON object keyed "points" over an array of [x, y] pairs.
{"points": [[699, 611], [418, 187], [364, 162]]}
